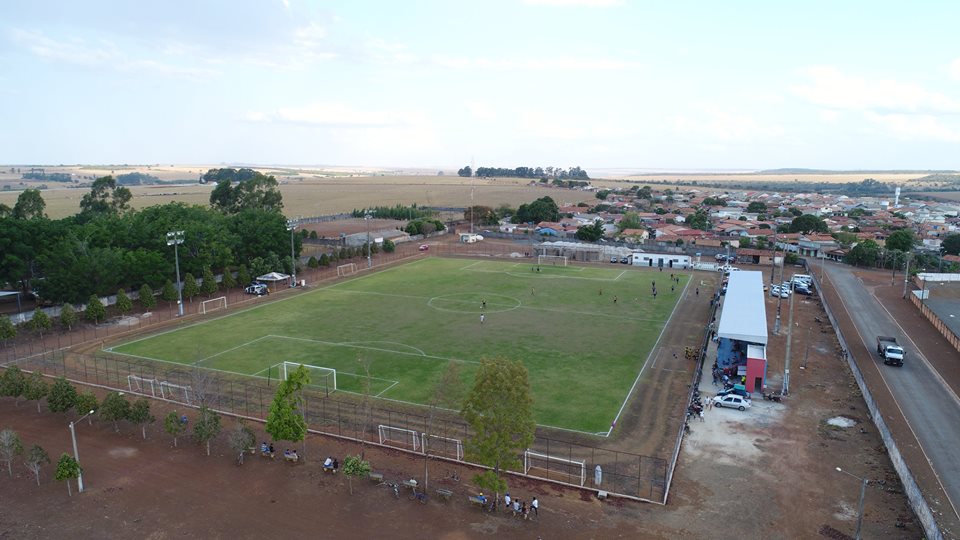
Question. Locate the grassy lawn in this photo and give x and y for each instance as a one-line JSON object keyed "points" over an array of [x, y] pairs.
{"points": [[582, 349]]}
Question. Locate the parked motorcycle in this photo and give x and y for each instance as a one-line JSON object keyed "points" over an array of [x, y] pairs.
{"points": [[775, 397]]}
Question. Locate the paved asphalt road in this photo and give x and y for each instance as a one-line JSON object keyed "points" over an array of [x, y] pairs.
{"points": [[932, 412]]}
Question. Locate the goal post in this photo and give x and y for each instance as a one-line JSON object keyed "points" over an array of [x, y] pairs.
{"points": [[213, 304], [437, 445], [176, 392], [346, 269], [574, 471], [400, 437], [554, 260], [141, 385], [321, 377]]}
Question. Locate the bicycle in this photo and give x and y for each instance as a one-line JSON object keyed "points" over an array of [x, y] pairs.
{"points": [[395, 486], [419, 497]]}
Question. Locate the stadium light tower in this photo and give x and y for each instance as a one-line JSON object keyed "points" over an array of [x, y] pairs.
{"points": [[292, 226], [76, 455], [174, 239], [366, 217]]}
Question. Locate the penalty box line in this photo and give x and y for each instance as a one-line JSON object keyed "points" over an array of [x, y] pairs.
{"points": [[354, 346]]}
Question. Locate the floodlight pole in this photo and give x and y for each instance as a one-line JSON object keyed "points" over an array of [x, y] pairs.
{"points": [[863, 490], [76, 455], [292, 226], [174, 239], [366, 217], [786, 365]]}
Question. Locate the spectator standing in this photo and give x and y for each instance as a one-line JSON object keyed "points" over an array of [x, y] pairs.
{"points": [[535, 506]]}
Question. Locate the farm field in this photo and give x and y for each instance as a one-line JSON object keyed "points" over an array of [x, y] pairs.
{"points": [[583, 350]]}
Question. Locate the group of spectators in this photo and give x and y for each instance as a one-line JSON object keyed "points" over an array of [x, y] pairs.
{"points": [[518, 506]]}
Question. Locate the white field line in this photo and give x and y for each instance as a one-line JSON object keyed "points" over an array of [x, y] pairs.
{"points": [[387, 388], [655, 345], [335, 344], [231, 349], [388, 342], [182, 364]]}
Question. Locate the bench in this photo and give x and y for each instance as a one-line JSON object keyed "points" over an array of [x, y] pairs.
{"points": [[267, 454], [329, 469], [412, 484], [292, 458], [376, 477], [444, 494], [477, 501]]}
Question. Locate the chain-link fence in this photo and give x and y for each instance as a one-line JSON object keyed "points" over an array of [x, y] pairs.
{"points": [[347, 416]]}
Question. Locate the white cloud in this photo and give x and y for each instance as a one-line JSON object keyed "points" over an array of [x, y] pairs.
{"points": [[102, 55], [724, 126], [286, 4], [481, 110], [911, 127], [579, 3], [954, 69], [829, 87], [339, 115], [559, 63]]}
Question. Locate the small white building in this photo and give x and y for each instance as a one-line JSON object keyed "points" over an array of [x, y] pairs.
{"points": [[662, 260]]}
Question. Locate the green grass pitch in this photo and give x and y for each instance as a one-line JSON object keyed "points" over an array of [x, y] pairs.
{"points": [[583, 350]]}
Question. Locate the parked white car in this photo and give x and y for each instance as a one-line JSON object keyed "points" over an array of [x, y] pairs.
{"points": [[732, 401]]}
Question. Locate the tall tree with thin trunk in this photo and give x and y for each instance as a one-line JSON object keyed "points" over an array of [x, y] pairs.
{"points": [[68, 316], [124, 304], [210, 284], [147, 299], [7, 329], [35, 388], [207, 426], [68, 469], [62, 396], [173, 426], [12, 383], [285, 422], [241, 439], [115, 408], [40, 322], [499, 408], [140, 415], [10, 448], [36, 458], [447, 394], [190, 287], [87, 402], [95, 310], [355, 466]]}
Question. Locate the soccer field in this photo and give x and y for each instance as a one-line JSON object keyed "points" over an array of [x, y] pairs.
{"points": [[583, 333]]}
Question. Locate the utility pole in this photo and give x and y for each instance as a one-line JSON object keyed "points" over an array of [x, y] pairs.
{"points": [[906, 277], [174, 239], [366, 217], [292, 226], [786, 363], [776, 324]]}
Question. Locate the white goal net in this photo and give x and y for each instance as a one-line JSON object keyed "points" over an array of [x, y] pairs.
{"points": [[213, 304], [140, 385], [322, 378], [176, 392], [400, 437], [553, 260], [442, 446], [554, 468], [347, 269]]}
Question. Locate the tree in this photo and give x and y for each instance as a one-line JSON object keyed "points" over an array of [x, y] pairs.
{"points": [[37, 457], [542, 209], [951, 245], [10, 448], [169, 292], [447, 394], [106, 198], [355, 466], [35, 388], [95, 310], [40, 321], [745, 242], [591, 233], [62, 396], [68, 469], [630, 221], [147, 299], [808, 223], [902, 240], [124, 305], [253, 190], [756, 207], [12, 383], [241, 439], [87, 402], [388, 246], [698, 220], [173, 426], [465, 172], [499, 409], [30, 205], [863, 254], [324, 260], [140, 415], [190, 287], [7, 329], [114, 408], [68, 316], [210, 284], [243, 276], [284, 423], [312, 262], [207, 426], [228, 282]]}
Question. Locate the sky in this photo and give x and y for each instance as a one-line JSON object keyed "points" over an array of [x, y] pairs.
{"points": [[678, 85]]}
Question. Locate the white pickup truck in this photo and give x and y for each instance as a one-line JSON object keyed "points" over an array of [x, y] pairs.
{"points": [[891, 352]]}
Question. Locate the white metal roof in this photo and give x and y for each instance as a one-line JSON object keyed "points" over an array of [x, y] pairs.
{"points": [[744, 315]]}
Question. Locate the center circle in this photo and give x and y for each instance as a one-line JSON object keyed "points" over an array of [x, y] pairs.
{"points": [[473, 302]]}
